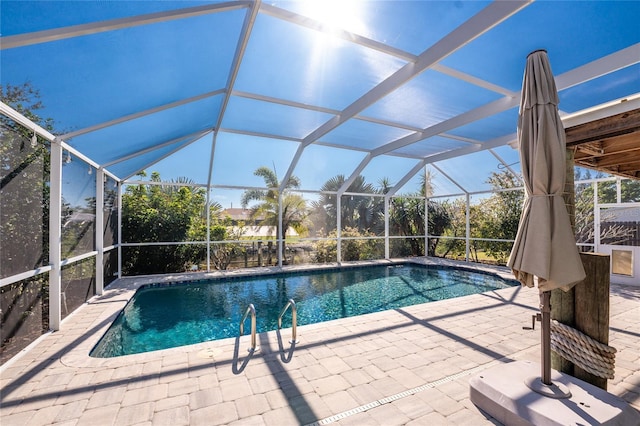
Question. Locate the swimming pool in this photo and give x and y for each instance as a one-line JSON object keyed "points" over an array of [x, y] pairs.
{"points": [[161, 316]]}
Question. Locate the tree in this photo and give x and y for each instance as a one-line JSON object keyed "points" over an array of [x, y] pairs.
{"points": [[406, 217], [499, 215], [163, 213], [494, 217], [352, 249], [24, 220], [456, 229], [24, 185], [294, 208], [355, 211], [222, 253]]}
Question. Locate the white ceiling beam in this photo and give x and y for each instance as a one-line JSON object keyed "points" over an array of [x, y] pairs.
{"points": [[580, 117], [305, 21], [140, 114], [597, 68], [452, 180], [477, 25], [375, 45], [24, 121], [605, 65], [479, 113], [347, 183], [194, 135], [460, 139], [243, 40], [258, 134], [10, 42], [474, 80], [335, 112], [173, 151], [474, 27], [503, 140], [279, 101], [406, 178]]}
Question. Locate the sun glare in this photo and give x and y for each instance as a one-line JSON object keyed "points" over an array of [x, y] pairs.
{"points": [[337, 14]]}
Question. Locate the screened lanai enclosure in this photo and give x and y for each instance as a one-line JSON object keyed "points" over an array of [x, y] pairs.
{"points": [[162, 137]]}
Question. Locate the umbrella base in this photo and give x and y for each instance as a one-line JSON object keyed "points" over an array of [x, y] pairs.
{"points": [[554, 390], [501, 391]]}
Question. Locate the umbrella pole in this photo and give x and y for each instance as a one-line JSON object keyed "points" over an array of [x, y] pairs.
{"points": [[545, 309], [543, 384]]}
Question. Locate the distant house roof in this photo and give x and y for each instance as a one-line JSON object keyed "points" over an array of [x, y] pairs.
{"points": [[237, 214], [240, 214]]}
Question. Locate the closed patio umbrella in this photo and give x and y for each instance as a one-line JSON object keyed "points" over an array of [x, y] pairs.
{"points": [[544, 251]]}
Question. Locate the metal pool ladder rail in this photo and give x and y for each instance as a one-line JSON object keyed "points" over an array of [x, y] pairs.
{"points": [[250, 309], [294, 319]]}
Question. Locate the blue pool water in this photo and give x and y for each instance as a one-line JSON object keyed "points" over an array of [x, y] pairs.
{"points": [[164, 316]]}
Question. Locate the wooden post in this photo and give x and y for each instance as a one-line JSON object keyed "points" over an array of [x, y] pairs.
{"points": [[562, 303], [592, 307], [586, 306]]}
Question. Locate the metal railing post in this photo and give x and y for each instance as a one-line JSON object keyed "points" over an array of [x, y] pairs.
{"points": [[250, 309], [294, 319]]}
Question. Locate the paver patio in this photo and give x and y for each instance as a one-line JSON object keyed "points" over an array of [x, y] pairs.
{"points": [[405, 366]]}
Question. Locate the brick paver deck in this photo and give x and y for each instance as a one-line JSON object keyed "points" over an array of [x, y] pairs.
{"points": [[405, 366]]}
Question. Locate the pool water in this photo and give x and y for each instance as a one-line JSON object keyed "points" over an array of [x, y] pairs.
{"points": [[166, 316]]}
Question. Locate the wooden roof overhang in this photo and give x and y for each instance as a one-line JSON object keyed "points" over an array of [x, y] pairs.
{"points": [[610, 145]]}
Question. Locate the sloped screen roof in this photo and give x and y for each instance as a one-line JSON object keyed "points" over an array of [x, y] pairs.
{"points": [[211, 90]]}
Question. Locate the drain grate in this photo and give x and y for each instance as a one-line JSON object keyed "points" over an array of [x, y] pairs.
{"points": [[388, 399]]}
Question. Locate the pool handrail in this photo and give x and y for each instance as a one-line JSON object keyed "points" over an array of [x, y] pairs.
{"points": [[294, 319], [250, 309]]}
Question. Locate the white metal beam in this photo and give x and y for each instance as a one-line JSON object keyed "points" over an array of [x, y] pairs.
{"points": [[605, 65], [406, 178], [257, 134], [351, 37], [484, 111], [280, 101], [193, 136], [608, 64], [502, 140], [99, 231], [173, 151], [473, 80], [119, 242], [55, 236], [477, 25], [486, 19], [347, 183], [55, 34], [452, 180], [23, 275], [580, 117], [375, 45], [243, 40], [140, 114], [19, 118]]}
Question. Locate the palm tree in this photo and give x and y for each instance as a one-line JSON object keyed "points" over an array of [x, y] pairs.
{"points": [[294, 208], [355, 210]]}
